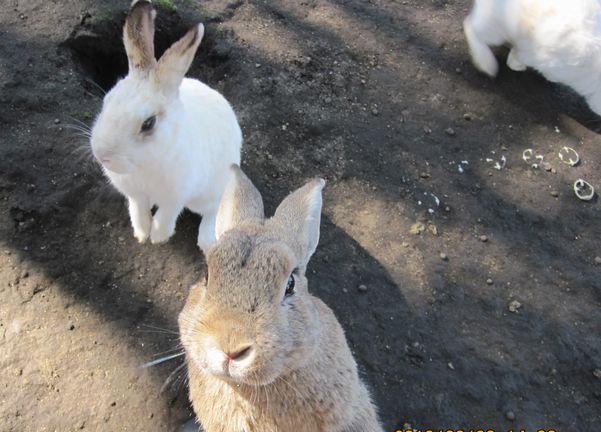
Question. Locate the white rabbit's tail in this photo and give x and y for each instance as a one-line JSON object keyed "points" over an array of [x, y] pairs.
{"points": [[482, 55]]}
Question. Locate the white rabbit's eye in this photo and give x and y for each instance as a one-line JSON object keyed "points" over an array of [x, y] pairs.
{"points": [[290, 286], [148, 124]]}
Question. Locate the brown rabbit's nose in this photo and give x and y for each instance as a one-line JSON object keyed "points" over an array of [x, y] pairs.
{"points": [[239, 354]]}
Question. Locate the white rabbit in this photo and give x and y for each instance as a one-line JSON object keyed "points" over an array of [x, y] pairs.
{"points": [[263, 354], [559, 38], [163, 139]]}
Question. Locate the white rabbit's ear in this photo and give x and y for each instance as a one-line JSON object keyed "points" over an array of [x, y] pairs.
{"points": [[240, 201], [138, 37], [176, 61], [297, 220]]}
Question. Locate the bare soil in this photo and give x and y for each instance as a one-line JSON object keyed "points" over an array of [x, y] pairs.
{"points": [[380, 98]]}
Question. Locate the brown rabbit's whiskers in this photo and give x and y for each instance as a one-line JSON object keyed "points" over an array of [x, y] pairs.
{"points": [[154, 329], [175, 376], [175, 373], [170, 355]]}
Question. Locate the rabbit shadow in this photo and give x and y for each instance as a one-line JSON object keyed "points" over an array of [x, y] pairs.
{"points": [[547, 98]]}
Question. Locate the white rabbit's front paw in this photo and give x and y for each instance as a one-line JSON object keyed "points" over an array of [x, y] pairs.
{"points": [[141, 229], [159, 233], [139, 215], [205, 242], [206, 233], [140, 235], [514, 63]]}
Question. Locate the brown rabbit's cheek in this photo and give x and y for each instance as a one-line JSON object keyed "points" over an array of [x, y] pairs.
{"points": [[271, 351], [267, 367]]}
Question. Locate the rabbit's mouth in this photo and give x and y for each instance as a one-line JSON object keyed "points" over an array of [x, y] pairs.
{"points": [[116, 165], [231, 366]]}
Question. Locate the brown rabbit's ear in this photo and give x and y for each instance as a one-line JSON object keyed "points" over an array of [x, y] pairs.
{"points": [[297, 220], [176, 61], [138, 36], [241, 201]]}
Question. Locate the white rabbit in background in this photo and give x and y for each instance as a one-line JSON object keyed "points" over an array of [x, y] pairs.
{"points": [[559, 38], [163, 139]]}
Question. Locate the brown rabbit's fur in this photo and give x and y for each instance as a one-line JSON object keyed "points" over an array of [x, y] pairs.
{"points": [[297, 372]]}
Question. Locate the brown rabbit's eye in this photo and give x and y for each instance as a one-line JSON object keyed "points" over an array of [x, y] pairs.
{"points": [[290, 286], [148, 124]]}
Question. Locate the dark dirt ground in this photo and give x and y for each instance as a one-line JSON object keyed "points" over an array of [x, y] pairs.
{"points": [[362, 93]]}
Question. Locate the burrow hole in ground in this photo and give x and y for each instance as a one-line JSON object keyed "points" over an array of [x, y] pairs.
{"points": [[96, 46]]}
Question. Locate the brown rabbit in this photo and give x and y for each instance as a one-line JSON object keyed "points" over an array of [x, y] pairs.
{"points": [[263, 354]]}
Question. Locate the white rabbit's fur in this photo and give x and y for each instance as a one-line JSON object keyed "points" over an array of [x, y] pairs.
{"points": [[559, 38], [260, 358], [183, 161]]}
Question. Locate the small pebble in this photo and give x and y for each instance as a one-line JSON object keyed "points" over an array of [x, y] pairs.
{"points": [[424, 175], [443, 256], [483, 238], [451, 366], [467, 116], [598, 260], [57, 121], [547, 166], [447, 209], [71, 326], [417, 228], [432, 229], [458, 70], [514, 305], [510, 415], [597, 373], [489, 281], [25, 275], [554, 193], [375, 111], [258, 65], [362, 288], [450, 131]]}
